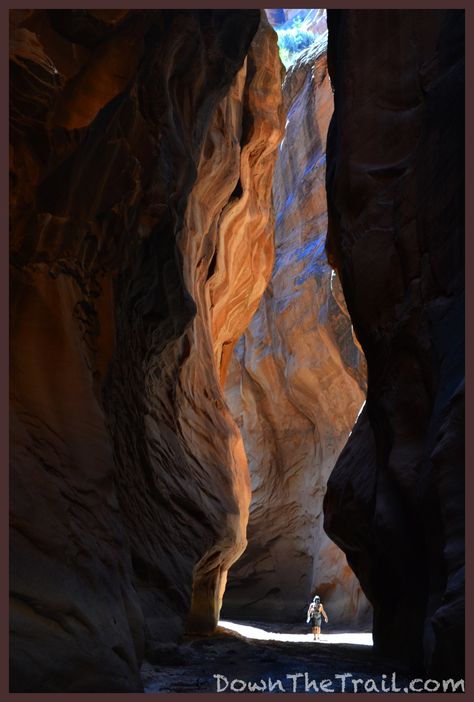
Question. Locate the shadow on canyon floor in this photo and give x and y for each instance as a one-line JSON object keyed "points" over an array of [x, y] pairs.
{"points": [[243, 662]]}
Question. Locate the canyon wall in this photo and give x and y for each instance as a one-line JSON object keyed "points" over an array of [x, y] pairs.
{"points": [[310, 20], [142, 153], [395, 184], [296, 385]]}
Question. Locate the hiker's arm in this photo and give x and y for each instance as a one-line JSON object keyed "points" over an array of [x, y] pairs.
{"points": [[324, 614]]}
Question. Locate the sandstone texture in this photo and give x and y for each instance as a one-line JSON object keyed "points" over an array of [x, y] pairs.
{"points": [[312, 20], [296, 384], [142, 153], [395, 184]]}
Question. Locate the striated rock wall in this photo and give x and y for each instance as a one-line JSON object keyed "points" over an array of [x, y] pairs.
{"points": [[395, 183], [142, 151], [312, 20], [296, 384]]}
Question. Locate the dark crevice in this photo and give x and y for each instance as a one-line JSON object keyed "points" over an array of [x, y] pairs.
{"points": [[237, 192], [212, 265]]}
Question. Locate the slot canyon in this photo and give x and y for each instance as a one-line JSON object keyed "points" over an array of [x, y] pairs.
{"points": [[236, 346]]}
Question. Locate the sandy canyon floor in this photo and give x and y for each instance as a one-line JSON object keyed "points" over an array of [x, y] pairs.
{"points": [[279, 658]]}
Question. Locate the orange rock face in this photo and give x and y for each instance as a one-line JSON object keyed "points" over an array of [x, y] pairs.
{"points": [[295, 386], [134, 183], [395, 500], [228, 251]]}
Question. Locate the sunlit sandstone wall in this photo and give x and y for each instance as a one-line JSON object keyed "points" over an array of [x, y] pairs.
{"points": [[142, 152], [296, 385]]}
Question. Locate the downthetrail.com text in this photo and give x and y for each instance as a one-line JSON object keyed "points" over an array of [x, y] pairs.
{"points": [[340, 682]]}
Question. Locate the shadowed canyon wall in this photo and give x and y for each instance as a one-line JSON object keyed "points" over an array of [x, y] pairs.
{"points": [[395, 184], [142, 154], [296, 385]]}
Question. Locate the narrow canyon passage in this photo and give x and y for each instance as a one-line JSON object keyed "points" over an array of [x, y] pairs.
{"points": [[296, 385], [237, 348], [297, 378]]}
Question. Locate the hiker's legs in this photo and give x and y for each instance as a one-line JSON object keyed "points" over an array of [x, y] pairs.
{"points": [[318, 632], [314, 630]]}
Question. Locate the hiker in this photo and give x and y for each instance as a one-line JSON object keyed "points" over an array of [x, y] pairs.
{"points": [[315, 612]]}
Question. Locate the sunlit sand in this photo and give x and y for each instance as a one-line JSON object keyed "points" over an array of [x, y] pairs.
{"points": [[253, 632]]}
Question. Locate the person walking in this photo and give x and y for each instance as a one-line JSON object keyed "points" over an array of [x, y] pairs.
{"points": [[314, 616]]}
